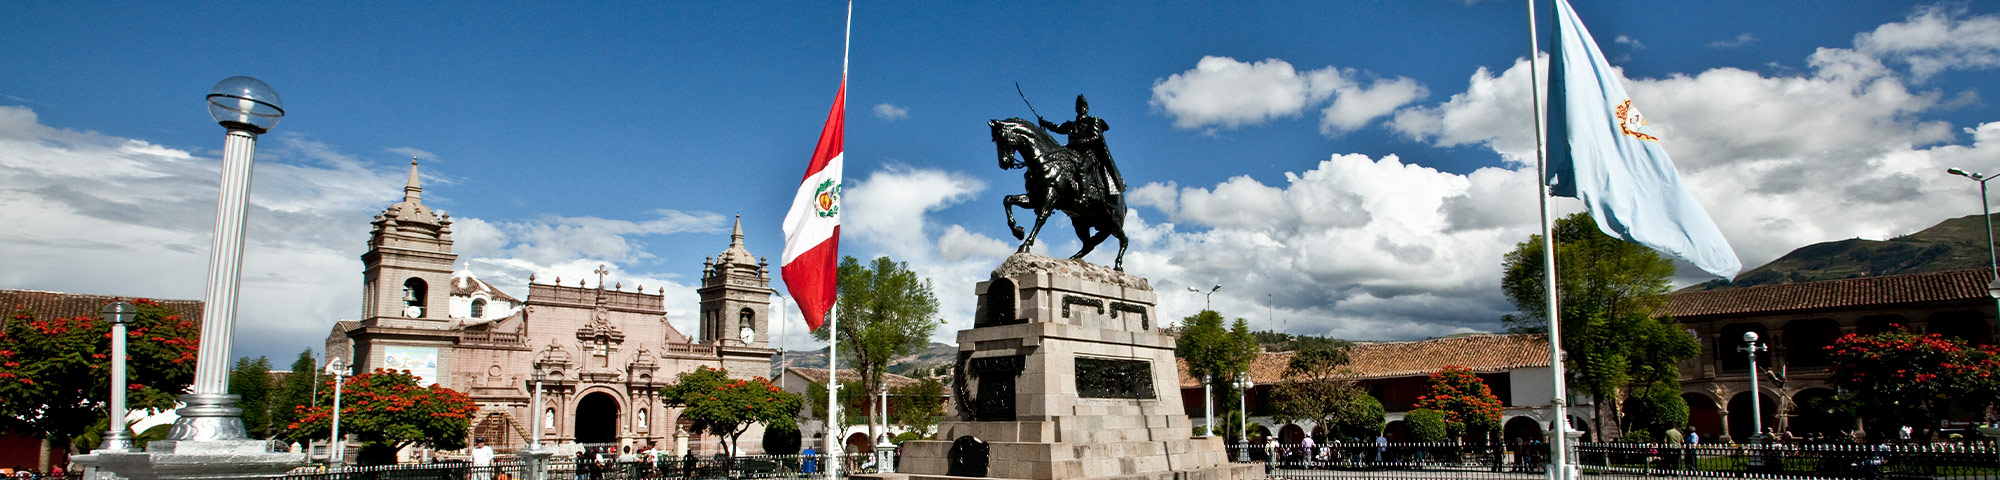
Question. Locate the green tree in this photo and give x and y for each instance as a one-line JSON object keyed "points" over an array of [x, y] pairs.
{"points": [[1902, 378], [886, 311], [1215, 355], [1610, 292], [54, 373], [388, 410], [1468, 405], [1426, 425], [295, 393], [1318, 388], [852, 399], [250, 381], [918, 406], [728, 407], [1655, 409]]}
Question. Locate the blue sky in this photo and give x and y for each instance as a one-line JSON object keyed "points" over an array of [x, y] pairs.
{"points": [[1345, 168]]}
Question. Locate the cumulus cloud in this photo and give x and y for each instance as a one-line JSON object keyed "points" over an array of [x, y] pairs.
{"points": [[95, 213], [888, 207], [891, 112], [1629, 42], [1740, 40], [1227, 93], [1840, 151], [1935, 39]]}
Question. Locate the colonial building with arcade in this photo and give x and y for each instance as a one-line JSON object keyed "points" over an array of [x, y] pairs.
{"points": [[606, 348]]}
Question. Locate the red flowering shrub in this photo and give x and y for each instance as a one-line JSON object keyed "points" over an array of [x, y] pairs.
{"points": [[388, 410], [1901, 378], [729, 406], [55, 375], [1467, 403]]}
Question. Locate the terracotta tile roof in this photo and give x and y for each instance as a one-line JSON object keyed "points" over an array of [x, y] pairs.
{"points": [[1481, 353], [1830, 294], [59, 304], [818, 375]]}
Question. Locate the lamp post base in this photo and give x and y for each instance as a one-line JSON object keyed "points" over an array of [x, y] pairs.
{"points": [[228, 462], [207, 417]]}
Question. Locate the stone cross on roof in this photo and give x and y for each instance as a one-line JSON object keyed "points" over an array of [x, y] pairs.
{"points": [[600, 271]]}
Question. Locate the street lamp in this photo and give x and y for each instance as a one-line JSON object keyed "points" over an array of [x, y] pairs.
{"points": [[535, 410], [116, 439], [537, 458], [1243, 407], [1986, 211], [1206, 297], [1751, 347], [339, 372], [247, 108]]}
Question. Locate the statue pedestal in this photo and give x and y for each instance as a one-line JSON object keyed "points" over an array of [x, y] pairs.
{"points": [[1065, 375], [209, 459]]}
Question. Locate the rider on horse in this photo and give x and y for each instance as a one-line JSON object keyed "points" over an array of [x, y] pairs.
{"points": [[1086, 137]]}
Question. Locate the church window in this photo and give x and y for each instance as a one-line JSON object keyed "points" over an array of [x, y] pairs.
{"points": [[415, 293], [479, 308]]}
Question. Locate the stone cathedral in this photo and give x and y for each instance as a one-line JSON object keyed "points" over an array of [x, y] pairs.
{"points": [[607, 349]]}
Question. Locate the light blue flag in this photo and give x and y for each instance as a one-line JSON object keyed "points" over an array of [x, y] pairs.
{"points": [[1603, 153]]}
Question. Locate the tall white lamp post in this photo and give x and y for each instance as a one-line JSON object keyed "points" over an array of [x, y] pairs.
{"points": [[339, 372], [1751, 347], [1207, 389], [537, 459], [1243, 407], [116, 439], [247, 108], [1986, 210]]}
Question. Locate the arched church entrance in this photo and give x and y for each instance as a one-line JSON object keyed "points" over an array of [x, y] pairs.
{"points": [[597, 418]]}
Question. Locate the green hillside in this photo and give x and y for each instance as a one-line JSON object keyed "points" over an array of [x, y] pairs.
{"points": [[1954, 244]]}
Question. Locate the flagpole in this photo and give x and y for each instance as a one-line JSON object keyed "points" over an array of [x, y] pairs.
{"points": [[1558, 441], [834, 456]]}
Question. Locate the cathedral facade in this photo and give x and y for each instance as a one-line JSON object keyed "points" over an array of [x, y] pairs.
{"points": [[605, 350]]}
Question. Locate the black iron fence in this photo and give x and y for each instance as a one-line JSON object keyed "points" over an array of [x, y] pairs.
{"points": [[1524, 461], [589, 468], [1794, 461], [1397, 460]]}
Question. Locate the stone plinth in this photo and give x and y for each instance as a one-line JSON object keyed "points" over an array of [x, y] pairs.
{"points": [[1066, 375], [213, 459]]}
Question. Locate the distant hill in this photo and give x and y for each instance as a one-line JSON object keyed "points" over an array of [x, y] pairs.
{"points": [[933, 356], [1955, 244]]}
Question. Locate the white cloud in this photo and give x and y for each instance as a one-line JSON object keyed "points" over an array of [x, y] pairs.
{"points": [[888, 207], [1741, 39], [891, 112], [1841, 151], [1494, 111], [1229, 93], [1630, 42], [1354, 108], [1223, 92], [93, 213], [1935, 39], [412, 152]]}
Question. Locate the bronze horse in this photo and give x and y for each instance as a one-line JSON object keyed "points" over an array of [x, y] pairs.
{"points": [[1059, 179]]}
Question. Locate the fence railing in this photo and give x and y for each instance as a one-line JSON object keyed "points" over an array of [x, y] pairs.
{"points": [[589, 468], [1331, 460], [1449, 461]]}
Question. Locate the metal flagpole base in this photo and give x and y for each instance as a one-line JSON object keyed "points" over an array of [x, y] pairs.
{"points": [[207, 417]]}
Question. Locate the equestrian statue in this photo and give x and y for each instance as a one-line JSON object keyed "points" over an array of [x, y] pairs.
{"points": [[1079, 179]]}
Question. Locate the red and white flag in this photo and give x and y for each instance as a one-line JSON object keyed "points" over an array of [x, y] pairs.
{"points": [[812, 227]]}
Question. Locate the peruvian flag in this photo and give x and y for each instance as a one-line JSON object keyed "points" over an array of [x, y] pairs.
{"points": [[812, 227]]}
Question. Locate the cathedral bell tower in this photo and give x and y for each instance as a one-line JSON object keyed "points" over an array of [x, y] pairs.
{"points": [[735, 297], [406, 273]]}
